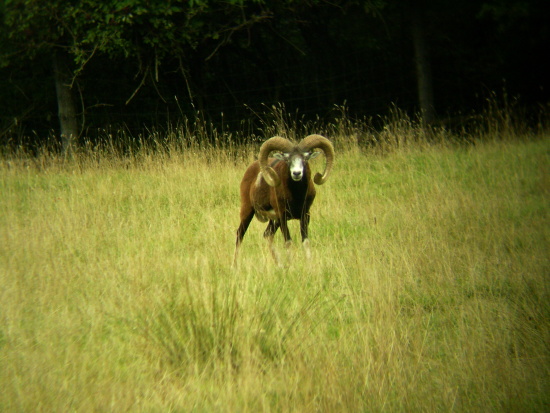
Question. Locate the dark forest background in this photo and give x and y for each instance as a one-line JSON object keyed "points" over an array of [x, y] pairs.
{"points": [[81, 67]]}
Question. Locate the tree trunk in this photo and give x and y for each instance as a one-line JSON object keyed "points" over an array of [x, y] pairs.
{"points": [[65, 100], [423, 68]]}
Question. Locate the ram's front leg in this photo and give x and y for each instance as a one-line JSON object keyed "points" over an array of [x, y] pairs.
{"points": [[269, 234], [286, 232], [287, 238], [304, 225]]}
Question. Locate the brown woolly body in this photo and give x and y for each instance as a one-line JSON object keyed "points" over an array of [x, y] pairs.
{"points": [[290, 198]]}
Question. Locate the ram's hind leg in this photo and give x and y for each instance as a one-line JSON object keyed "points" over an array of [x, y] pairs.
{"points": [[245, 222]]}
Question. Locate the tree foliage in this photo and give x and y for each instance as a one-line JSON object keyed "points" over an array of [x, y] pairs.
{"points": [[130, 28], [130, 58]]}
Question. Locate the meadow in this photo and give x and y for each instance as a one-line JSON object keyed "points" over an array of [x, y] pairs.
{"points": [[427, 289]]}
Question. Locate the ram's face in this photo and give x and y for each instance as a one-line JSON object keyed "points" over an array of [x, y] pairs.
{"points": [[296, 166], [296, 163]]}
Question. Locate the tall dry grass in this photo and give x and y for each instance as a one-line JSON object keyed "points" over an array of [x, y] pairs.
{"points": [[427, 289]]}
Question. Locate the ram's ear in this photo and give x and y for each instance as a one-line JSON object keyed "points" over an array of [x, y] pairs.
{"points": [[280, 156], [311, 155]]}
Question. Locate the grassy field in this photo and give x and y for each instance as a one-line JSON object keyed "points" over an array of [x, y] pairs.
{"points": [[427, 290]]}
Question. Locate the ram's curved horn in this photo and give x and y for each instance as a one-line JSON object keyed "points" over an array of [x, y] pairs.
{"points": [[273, 144], [312, 142]]}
